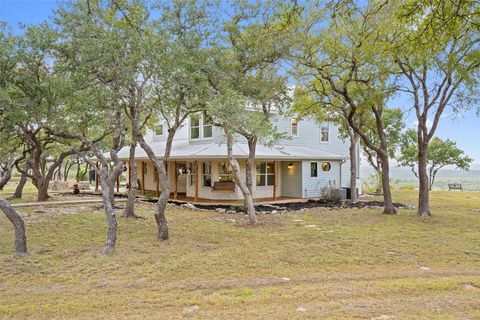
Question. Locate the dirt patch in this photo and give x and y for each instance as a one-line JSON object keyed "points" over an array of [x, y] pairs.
{"points": [[287, 207]]}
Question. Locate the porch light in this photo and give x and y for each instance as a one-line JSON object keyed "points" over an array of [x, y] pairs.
{"points": [[290, 165]]}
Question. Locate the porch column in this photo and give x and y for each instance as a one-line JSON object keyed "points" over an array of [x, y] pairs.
{"points": [[175, 189], [157, 183], [142, 165], [196, 181], [118, 183], [96, 178], [274, 180]]}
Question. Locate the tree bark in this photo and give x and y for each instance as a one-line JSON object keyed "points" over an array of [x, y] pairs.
{"points": [[250, 169], [109, 209], [7, 174], [238, 178], [160, 165], [353, 167], [423, 193], [19, 189], [133, 188], [389, 208], [19, 227]]}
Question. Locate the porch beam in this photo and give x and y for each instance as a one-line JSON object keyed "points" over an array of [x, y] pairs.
{"points": [[175, 182], [196, 180], [274, 180], [143, 177]]}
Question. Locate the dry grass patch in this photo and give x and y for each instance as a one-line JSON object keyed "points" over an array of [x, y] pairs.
{"points": [[319, 263]]}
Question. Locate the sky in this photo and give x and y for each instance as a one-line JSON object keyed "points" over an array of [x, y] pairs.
{"points": [[464, 129]]}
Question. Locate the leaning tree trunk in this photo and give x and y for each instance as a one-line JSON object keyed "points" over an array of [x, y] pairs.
{"points": [[389, 208], [133, 187], [423, 193], [18, 225], [19, 189], [353, 167], [160, 165], [7, 174], [238, 179], [109, 212]]}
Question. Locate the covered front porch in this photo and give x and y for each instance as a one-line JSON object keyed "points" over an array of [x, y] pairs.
{"points": [[206, 180]]}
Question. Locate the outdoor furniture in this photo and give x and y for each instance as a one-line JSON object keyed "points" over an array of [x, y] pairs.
{"points": [[455, 186], [227, 186]]}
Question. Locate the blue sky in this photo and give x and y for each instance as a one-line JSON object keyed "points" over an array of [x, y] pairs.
{"points": [[464, 129]]}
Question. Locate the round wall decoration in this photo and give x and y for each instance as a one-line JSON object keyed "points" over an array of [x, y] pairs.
{"points": [[326, 166]]}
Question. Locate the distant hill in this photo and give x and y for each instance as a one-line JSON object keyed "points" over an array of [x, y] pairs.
{"points": [[401, 176]]}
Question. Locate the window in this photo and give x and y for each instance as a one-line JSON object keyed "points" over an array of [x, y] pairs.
{"points": [[326, 166], [207, 126], [324, 132], [224, 172], [201, 126], [207, 174], [313, 170], [294, 127], [195, 127], [265, 174], [158, 130], [191, 173]]}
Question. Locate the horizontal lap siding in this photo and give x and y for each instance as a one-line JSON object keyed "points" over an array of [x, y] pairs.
{"points": [[312, 186]]}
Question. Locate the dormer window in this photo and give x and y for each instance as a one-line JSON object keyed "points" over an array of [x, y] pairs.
{"points": [[294, 127], [207, 126], [201, 126], [195, 127], [324, 132]]}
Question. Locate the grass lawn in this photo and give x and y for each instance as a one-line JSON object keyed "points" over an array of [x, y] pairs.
{"points": [[338, 264]]}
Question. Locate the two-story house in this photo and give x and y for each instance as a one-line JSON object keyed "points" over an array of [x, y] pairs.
{"points": [[311, 157]]}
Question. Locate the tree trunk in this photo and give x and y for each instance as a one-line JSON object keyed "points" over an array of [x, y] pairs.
{"points": [[353, 167], [109, 211], [133, 188], [423, 194], [18, 225], [387, 193], [378, 173], [160, 165], [250, 169], [67, 170], [238, 178], [19, 189], [7, 174], [42, 186]]}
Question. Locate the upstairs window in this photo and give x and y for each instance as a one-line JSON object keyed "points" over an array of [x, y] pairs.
{"points": [[325, 132], [195, 127], [201, 126], [294, 127], [265, 174], [158, 130], [224, 172], [207, 174], [207, 126]]}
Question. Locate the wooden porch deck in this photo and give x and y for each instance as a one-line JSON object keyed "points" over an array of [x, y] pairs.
{"points": [[182, 198]]}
